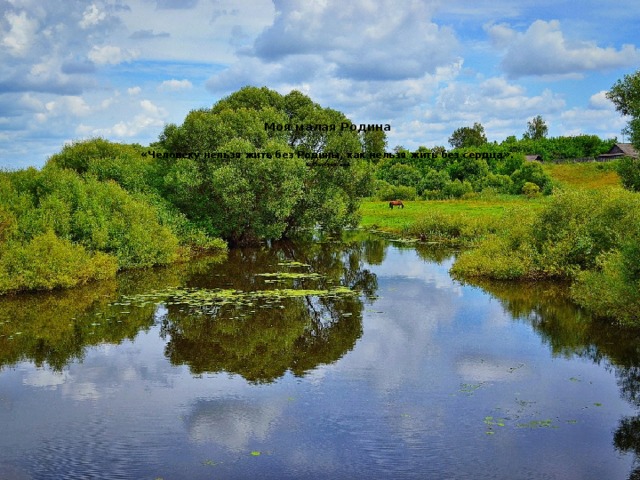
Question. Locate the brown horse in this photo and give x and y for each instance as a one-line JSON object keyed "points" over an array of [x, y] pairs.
{"points": [[396, 203]]}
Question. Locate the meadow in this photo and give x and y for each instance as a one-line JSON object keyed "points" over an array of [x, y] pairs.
{"points": [[486, 207]]}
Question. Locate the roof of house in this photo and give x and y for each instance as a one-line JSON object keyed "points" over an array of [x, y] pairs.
{"points": [[627, 149]]}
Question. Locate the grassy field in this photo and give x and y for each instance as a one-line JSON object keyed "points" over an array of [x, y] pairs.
{"points": [[377, 215], [584, 175]]}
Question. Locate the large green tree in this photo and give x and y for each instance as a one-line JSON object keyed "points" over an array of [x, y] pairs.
{"points": [[256, 192], [625, 95]]}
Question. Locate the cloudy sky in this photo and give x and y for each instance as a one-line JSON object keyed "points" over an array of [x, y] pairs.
{"points": [[121, 69]]}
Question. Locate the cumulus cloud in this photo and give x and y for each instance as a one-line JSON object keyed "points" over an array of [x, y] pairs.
{"points": [[364, 40], [21, 34], [92, 16], [110, 54], [173, 85], [599, 101], [544, 50]]}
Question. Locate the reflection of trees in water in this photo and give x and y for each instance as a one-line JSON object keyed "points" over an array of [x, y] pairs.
{"points": [[55, 328], [265, 339], [261, 342], [569, 331]]}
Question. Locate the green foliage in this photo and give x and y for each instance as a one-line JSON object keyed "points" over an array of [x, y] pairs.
{"points": [[386, 191], [591, 238], [530, 173], [78, 155], [629, 171], [607, 291], [536, 129], [400, 174], [558, 148], [530, 189], [468, 136], [625, 95], [434, 180], [245, 200], [456, 189], [446, 228], [47, 262]]}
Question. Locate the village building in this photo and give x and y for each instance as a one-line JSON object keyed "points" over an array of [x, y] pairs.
{"points": [[619, 150]]}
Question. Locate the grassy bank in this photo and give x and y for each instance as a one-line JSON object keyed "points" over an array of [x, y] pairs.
{"points": [[587, 232]]}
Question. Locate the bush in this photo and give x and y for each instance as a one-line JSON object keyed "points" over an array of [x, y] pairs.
{"points": [[47, 262], [451, 229], [386, 191], [629, 171], [457, 189], [607, 291], [530, 172], [530, 189]]}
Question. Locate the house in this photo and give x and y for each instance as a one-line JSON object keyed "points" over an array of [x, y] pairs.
{"points": [[619, 150], [533, 158]]}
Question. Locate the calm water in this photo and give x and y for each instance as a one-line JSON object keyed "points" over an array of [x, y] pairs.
{"points": [[416, 376]]}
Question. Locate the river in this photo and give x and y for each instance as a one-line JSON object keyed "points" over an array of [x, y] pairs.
{"points": [[263, 365]]}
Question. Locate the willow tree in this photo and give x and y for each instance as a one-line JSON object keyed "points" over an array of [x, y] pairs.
{"points": [[253, 171]]}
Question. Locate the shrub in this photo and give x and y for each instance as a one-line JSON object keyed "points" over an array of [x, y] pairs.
{"points": [[629, 171], [47, 262], [453, 229], [607, 291], [457, 189], [530, 189], [386, 191]]}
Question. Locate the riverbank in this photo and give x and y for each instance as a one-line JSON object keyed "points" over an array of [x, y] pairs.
{"points": [[586, 233]]}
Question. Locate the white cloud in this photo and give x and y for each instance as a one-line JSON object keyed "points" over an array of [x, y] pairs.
{"points": [[21, 33], [92, 16], [133, 91], [544, 50], [599, 101], [363, 40], [173, 85], [110, 54], [64, 106]]}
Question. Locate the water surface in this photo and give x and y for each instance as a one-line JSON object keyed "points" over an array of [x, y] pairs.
{"points": [[414, 376]]}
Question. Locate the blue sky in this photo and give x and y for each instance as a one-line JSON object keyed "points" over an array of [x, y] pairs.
{"points": [[122, 69]]}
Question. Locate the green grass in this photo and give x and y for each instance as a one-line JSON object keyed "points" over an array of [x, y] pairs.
{"points": [[584, 175], [377, 215]]}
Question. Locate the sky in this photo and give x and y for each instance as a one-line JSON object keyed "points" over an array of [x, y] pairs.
{"points": [[123, 69]]}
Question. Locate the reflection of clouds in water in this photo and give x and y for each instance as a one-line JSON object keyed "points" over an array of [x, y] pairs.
{"points": [[398, 345], [82, 391], [44, 378], [487, 369], [232, 423], [406, 263], [107, 368]]}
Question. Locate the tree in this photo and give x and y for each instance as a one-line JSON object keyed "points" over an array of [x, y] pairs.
{"points": [[625, 95], [229, 191], [374, 143], [536, 129], [468, 137]]}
